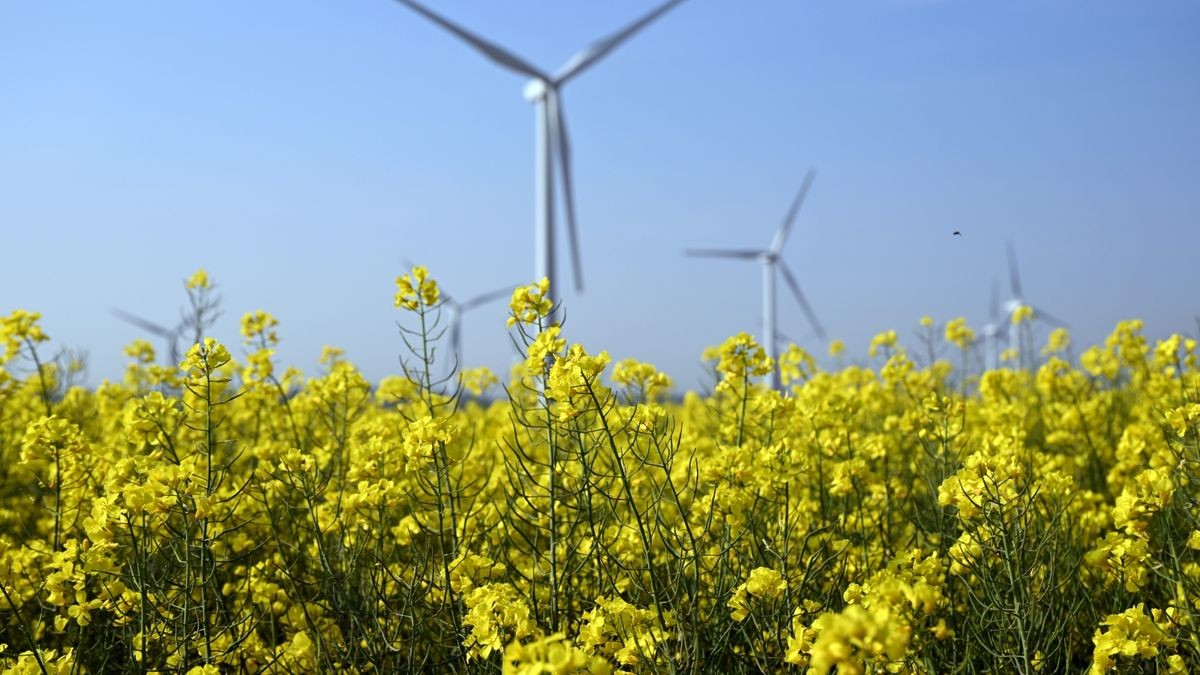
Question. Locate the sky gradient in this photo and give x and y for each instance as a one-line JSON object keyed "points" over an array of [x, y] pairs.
{"points": [[300, 151]]}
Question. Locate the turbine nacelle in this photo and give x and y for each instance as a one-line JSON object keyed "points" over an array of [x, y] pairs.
{"points": [[538, 89]]}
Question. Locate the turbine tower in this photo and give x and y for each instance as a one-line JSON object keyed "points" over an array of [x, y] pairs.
{"points": [[552, 146], [771, 259], [991, 331], [1018, 300]]}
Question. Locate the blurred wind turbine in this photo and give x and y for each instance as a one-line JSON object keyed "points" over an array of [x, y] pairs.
{"points": [[553, 147], [770, 259], [1017, 301], [171, 336]]}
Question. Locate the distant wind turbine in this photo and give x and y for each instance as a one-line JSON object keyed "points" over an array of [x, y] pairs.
{"points": [[770, 259], [553, 147], [1018, 300]]}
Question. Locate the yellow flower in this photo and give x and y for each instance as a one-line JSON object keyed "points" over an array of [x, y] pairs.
{"points": [[259, 326], [851, 638], [496, 615], [836, 348], [959, 333], [1022, 314], [552, 654], [423, 434], [198, 281], [573, 381], [477, 380], [204, 359], [642, 378], [1058, 341], [741, 357], [19, 327], [763, 583], [416, 289], [546, 345], [795, 364], [530, 304], [141, 351], [1193, 541], [886, 339], [1129, 634]]}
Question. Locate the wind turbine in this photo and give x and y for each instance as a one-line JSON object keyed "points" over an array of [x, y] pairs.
{"points": [[553, 146], [771, 259], [1018, 300]]}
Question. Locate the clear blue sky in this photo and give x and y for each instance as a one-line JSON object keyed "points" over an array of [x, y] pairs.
{"points": [[299, 150]]}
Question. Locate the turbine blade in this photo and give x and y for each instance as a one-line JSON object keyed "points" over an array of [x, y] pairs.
{"points": [[1014, 276], [494, 52], [786, 228], [808, 310], [599, 49], [562, 147], [148, 326], [456, 338], [742, 253], [1047, 317], [995, 306], [486, 298]]}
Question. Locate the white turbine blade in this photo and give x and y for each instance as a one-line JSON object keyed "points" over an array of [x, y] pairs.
{"points": [[1047, 317], [494, 52], [456, 337], [1014, 276], [562, 150], [742, 253], [785, 229], [995, 306], [598, 50], [148, 326], [808, 310], [486, 298]]}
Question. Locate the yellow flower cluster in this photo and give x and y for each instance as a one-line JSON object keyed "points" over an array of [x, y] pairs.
{"points": [[739, 358], [764, 584], [530, 304], [1133, 635], [958, 333], [238, 516], [17, 329], [416, 289]]}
